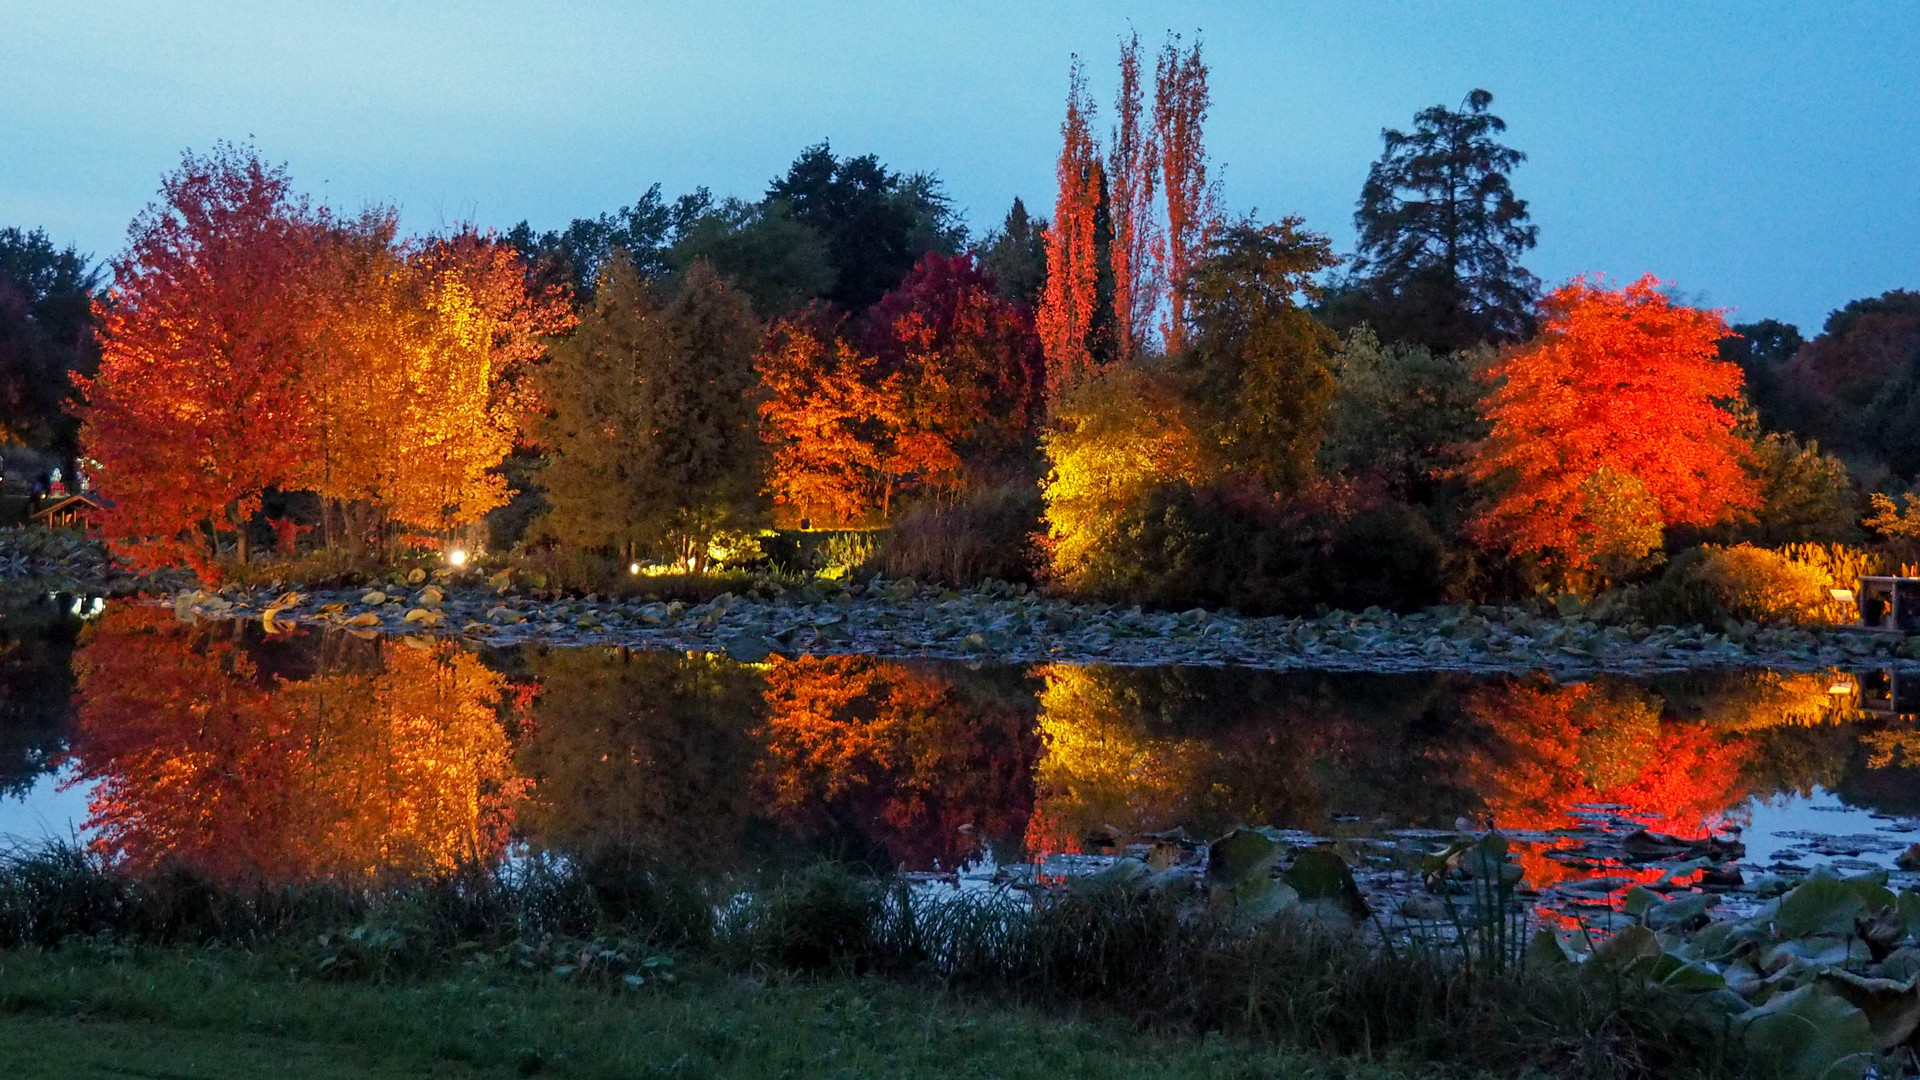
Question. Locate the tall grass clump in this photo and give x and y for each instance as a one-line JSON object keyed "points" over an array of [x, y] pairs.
{"points": [[986, 534]]}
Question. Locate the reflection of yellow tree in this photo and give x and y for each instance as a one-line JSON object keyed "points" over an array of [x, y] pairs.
{"points": [[394, 765], [1099, 768], [1758, 700], [410, 768]]}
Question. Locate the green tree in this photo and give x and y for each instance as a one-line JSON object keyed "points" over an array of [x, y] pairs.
{"points": [[776, 261], [1763, 351], [1402, 413], [46, 333], [645, 231], [1441, 235], [1016, 255], [1259, 364], [1805, 495], [876, 223], [651, 418]]}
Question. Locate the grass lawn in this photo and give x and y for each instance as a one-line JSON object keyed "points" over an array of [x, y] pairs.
{"points": [[213, 1016]]}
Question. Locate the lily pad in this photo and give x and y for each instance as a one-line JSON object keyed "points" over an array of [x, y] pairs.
{"points": [[1243, 854], [1810, 1034]]}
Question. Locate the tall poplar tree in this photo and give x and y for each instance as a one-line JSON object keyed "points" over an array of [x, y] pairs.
{"points": [[1067, 307], [1180, 103], [1132, 160]]}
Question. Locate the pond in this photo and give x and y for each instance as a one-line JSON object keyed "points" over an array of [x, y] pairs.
{"points": [[331, 755]]}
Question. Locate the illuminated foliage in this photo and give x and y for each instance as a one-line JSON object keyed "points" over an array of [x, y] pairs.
{"points": [[1116, 439], [970, 361], [938, 388], [1133, 159], [1180, 104], [391, 760], [198, 405], [1067, 306], [898, 751], [1612, 421]]}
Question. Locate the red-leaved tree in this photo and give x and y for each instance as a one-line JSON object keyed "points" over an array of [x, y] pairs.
{"points": [[1067, 307], [1608, 427], [198, 406]]}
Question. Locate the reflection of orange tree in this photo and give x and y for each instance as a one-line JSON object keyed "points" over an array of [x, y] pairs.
{"points": [[894, 752], [199, 760], [1557, 747]]}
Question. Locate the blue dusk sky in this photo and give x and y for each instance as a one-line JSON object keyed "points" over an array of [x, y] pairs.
{"points": [[1764, 157]]}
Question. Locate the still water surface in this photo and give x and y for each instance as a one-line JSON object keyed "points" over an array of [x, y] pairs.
{"points": [[314, 756]]}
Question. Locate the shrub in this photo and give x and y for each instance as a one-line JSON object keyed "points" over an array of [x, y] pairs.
{"points": [[1711, 585], [987, 534]]}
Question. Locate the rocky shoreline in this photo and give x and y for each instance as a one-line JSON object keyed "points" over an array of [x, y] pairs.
{"points": [[901, 620]]}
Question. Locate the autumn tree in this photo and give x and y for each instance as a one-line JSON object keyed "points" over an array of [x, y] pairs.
{"points": [[1133, 159], [198, 406], [827, 419], [1068, 306], [1441, 234], [1610, 426], [1856, 386], [417, 378], [1259, 361], [651, 415], [970, 363], [1180, 104]]}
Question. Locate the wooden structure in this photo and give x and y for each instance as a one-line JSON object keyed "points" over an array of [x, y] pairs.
{"points": [[1891, 604], [67, 513], [1889, 693]]}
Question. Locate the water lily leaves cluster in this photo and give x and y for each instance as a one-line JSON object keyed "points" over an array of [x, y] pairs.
{"points": [[1823, 980], [1251, 875]]}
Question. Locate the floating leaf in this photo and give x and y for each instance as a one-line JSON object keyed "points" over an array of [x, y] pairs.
{"points": [[1634, 942], [1810, 1034], [1243, 854], [422, 615], [1320, 874], [416, 576], [374, 596], [1820, 906], [1892, 1007], [365, 618]]}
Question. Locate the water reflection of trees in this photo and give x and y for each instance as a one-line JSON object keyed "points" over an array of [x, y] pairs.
{"points": [[897, 757], [644, 752], [390, 756], [1134, 750], [36, 683]]}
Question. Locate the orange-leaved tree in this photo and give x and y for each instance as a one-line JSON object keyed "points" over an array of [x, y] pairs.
{"points": [[1608, 427], [198, 405], [1067, 306]]}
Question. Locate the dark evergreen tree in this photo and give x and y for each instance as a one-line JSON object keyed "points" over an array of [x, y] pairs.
{"points": [[777, 262], [876, 222], [645, 231], [652, 418], [1441, 234], [1016, 255], [46, 333], [1763, 350]]}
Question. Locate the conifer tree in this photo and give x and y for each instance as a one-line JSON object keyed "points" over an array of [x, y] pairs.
{"points": [[651, 418]]}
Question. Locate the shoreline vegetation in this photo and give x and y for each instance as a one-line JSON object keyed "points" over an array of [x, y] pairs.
{"points": [[1257, 966]]}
